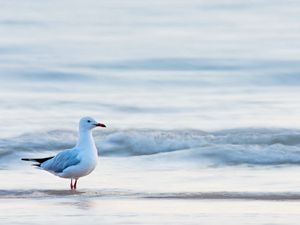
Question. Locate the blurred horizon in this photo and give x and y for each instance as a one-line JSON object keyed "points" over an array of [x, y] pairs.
{"points": [[164, 65]]}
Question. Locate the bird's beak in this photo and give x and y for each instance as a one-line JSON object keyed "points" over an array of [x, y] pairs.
{"points": [[100, 125]]}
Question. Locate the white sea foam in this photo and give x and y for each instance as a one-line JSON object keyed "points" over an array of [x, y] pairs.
{"points": [[227, 147]]}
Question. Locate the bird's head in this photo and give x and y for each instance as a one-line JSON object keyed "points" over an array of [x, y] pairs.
{"points": [[88, 123]]}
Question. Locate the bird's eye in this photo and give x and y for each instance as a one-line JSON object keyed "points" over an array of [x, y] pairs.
{"points": [[88, 121]]}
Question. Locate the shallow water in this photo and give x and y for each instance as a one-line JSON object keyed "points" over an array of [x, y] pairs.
{"points": [[126, 194], [74, 211], [122, 191]]}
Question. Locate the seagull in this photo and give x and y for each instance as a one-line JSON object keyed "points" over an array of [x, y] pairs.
{"points": [[75, 162]]}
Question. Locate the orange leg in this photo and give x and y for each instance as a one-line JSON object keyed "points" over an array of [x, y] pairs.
{"points": [[75, 184], [71, 184]]}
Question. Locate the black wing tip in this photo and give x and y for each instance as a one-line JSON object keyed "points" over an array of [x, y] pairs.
{"points": [[39, 160], [36, 164]]}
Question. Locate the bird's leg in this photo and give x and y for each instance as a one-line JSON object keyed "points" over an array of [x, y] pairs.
{"points": [[75, 184], [71, 184]]}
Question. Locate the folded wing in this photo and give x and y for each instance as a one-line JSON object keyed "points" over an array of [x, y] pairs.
{"points": [[61, 161]]}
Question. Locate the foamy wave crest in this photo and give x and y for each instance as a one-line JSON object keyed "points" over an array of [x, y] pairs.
{"points": [[227, 147], [276, 154], [150, 142]]}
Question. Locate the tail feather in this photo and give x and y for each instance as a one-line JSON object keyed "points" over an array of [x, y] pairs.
{"points": [[36, 164], [39, 160]]}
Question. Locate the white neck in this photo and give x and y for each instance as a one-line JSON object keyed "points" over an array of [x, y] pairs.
{"points": [[86, 140]]}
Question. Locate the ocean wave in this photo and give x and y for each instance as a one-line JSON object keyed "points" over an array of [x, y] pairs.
{"points": [[191, 64], [269, 155], [226, 147]]}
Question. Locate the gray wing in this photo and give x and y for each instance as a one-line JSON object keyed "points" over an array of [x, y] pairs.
{"points": [[62, 161]]}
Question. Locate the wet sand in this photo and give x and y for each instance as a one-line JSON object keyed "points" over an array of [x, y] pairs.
{"points": [[120, 191], [66, 207]]}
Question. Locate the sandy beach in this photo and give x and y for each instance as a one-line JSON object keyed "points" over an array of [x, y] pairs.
{"points": [[64, 208], [121, 192]]}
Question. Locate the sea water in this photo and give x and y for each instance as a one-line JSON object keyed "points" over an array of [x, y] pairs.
{"points": [[200, 100]]}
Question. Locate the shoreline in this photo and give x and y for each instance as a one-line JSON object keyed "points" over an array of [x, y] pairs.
{"points": [[133, 195]]}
